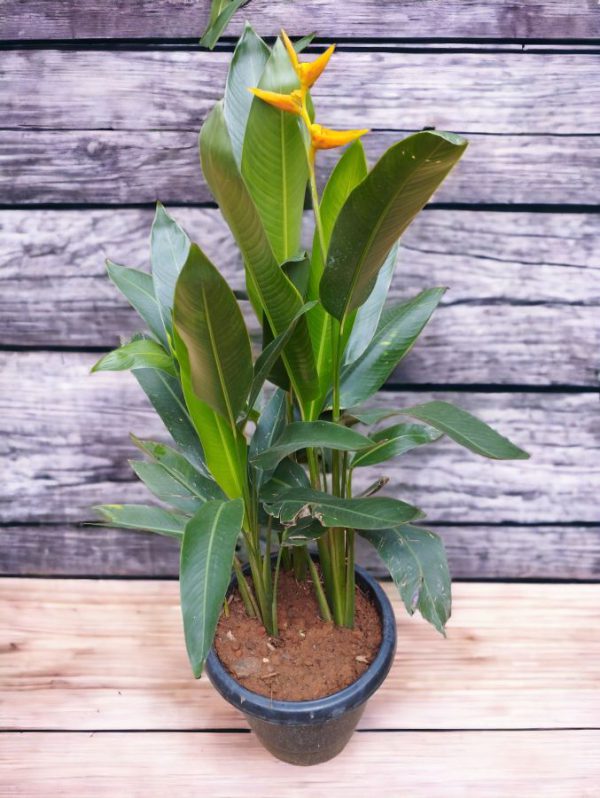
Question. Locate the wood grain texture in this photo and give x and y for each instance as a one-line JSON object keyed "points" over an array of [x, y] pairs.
{"points": [[555, 764], [133, 167], [382, 19], [469, 92], [66, 446], [522, 287], [474, 552], [93, 655]]}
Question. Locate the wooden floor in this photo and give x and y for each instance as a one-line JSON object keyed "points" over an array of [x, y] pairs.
{"points": [[96, 698]]}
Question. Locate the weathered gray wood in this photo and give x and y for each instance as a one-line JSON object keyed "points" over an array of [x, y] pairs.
{"points": [[64, 439], [141, 166], [478, 552], [523, 287], [473, 92], [382, 19]]}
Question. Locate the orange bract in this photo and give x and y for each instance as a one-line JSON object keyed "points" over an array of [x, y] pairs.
{"points": [[285, 102], [308, 73], [323, 138]]}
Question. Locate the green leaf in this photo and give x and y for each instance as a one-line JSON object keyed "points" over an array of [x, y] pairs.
{"points": [[368, 315], [224, 445], [165, 395], [137, 287], [270, 355], [274, 159], [416, 560], [302, 43], [295, 504], [394, 441], [169, 250], [220, 16], [267, 282], [393, 340], [204, 573], [350, 170], [303, 434], [143, 518], [269, 427], [466, 430], [378, 211], [210, 323], [288, 474], [194, 481], [247, 65], [139, 354], [165, 487]]}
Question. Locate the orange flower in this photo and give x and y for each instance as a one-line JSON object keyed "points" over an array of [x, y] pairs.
{"points": [[285, 102], [323, 138], [308, 73]]}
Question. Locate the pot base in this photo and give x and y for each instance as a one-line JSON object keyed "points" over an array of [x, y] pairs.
{"points": [[306, 744]]}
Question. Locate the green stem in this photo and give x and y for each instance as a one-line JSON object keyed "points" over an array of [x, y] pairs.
{"points": [[321, 598], [274, 621], [245, 592], [350, 584]]}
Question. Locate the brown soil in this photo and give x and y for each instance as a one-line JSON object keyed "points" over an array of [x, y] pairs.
{"points": [[310, 659]]}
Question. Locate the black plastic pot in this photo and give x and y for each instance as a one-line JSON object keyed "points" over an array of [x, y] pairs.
{"points": [[309, 732]]}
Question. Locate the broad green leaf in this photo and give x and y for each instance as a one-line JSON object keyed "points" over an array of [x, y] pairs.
{"points": [[165, 487], [139, 354], [142, 518], [224, 446], [269, 427], [350, 170], [393, 340], [220, 16], [416, 560], [466, 430], [267, 283], [303, 434], [288, 474], [210, 323], [137, 287], [274, 159], [394, 441], [368, 315], [165, 395], [169, 250], [247, 65], [295, 504], [271, 354], [180, 469], [204, 573], [378, 211]]}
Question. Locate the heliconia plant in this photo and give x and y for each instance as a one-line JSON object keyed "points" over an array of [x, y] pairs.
{"points": [[266, 448]]}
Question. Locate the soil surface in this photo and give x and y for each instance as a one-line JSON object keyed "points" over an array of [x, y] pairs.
{"points": [[310, 658]]}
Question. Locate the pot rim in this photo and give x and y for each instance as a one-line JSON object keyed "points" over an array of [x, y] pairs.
{"points": [[319, 709]]}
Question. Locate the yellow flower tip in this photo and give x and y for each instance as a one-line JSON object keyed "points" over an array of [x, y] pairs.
{"points": [[308, 73], [323, 138], [290, 50], [312, 71], [292, 103]]}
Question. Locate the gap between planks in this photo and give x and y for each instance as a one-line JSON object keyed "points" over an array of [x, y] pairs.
{"points": [[93, 655]]}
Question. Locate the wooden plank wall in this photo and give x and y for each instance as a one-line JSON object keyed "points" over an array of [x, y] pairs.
{"points": [[100, 113]]}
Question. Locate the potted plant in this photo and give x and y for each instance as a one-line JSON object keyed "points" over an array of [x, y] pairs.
{"points": [[261, 479]]}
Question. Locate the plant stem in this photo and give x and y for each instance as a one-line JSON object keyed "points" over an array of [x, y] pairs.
{"points": [[321, 598], [245, 591], [274, 622]]}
